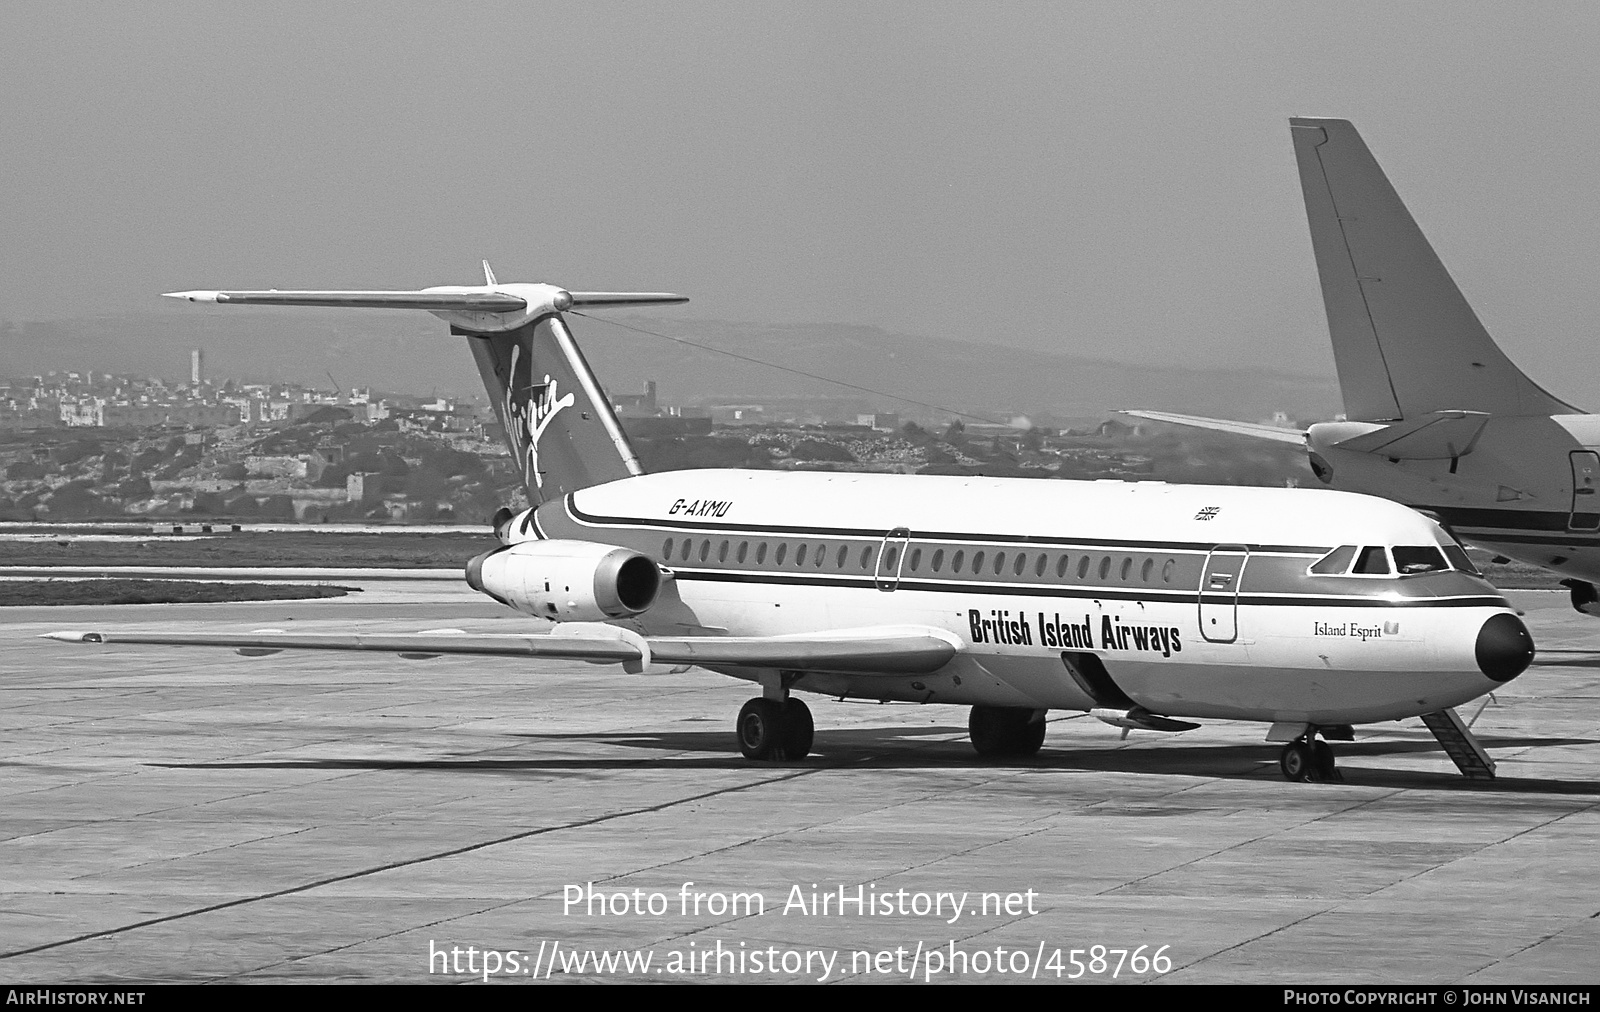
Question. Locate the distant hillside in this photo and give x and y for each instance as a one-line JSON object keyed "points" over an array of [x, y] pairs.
{"points": [[413, 353]]}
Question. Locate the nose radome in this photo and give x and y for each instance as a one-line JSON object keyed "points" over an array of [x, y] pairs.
{"points": [[1504, 648]]}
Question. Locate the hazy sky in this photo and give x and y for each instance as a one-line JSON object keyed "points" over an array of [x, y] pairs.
{"points": [[1109, 179]]}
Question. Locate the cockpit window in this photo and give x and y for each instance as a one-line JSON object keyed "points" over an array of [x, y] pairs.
{"points": [[1412, 559], [1409, 560], [1459, 560], [1335, 562], [1373, 561]]}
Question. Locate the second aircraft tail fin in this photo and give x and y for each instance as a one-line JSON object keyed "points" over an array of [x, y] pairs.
{"points": [[1405, 341]]}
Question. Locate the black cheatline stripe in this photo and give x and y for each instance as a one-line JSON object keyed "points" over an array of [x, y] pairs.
{"points": [[1092, 593], [392, 865], [1516, 520], [1555, 539], [926, 538]]}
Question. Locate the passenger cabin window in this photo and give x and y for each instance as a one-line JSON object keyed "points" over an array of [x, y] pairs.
{"points": [[938, 559], [1335, 562], [956, 559], [1373, 561], [1409, 560]]}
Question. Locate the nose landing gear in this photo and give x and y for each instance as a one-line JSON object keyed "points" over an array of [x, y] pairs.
{"points": [[1309, 759]]}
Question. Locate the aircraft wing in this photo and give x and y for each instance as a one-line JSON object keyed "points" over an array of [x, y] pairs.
{"points": [[1254, 430], [888, 650]]}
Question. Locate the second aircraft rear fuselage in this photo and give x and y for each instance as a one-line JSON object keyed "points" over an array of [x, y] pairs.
{"points": [[1197, 600], [1527, 488]]}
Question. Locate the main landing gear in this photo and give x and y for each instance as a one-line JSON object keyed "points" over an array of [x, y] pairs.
{"points": [[1309, 759], [1006, 731], [775, 729]]}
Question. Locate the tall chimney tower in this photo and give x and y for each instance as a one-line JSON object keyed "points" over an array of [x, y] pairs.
{"points": [[196, 360]]}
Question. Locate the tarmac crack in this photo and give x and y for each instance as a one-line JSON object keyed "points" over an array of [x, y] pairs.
{"points": [[408, 862]]}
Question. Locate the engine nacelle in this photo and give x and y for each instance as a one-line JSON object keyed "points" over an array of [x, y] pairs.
{"points": [[567, 581], [1585, 596]]}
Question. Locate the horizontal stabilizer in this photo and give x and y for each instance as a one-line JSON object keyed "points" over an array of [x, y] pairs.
{"points": [[441, 300], [1438, 435], [886, 650], [436, 302], [1254, 430], [602, 299]]}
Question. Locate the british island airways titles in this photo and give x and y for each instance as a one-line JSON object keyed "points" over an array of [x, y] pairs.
{"points": [[1052, 631]]}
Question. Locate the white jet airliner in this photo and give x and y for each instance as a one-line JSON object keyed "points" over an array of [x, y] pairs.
{"points": [[1438, 418], [1143, 603]]}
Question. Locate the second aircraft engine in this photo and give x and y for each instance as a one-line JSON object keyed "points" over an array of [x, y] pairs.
{"points": [[567, 581]]}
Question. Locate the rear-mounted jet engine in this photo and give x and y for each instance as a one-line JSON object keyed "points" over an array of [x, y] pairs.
{"points": [[567, 581]]}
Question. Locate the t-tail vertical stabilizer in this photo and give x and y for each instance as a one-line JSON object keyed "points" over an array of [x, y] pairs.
{"points": [[558, 422], [1405, 341]]}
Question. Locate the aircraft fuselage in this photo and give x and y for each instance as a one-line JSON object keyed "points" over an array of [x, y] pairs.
{"points": [[1197, 600]]}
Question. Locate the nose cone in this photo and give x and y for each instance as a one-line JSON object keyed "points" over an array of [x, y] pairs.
{"points": [[1504, 648]]}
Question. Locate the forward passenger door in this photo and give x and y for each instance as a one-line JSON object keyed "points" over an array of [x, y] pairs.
{"points": [[1219, 592]]}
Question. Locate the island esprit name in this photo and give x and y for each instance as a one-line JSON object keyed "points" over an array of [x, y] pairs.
{"points": [[1001, 626]]}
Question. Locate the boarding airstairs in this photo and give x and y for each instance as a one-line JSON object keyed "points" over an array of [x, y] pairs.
{"points": [[1460, 744]]}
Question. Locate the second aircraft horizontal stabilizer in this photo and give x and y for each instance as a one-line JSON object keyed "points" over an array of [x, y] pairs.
{"points": [[1255, 430], [1437, 435]]}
